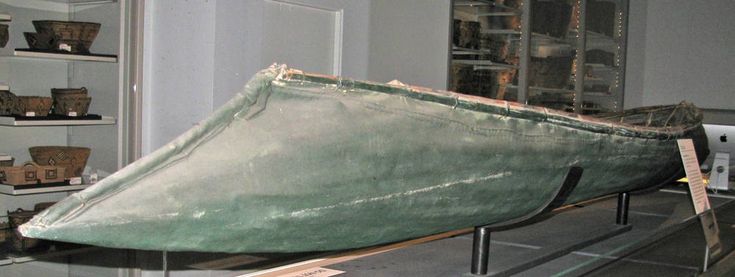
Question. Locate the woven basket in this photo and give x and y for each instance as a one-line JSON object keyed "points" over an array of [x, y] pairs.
{"points": [[72, 158], [8, 103], [35, 105], [38, 41], [31, 174], [71, 105], [68, 92], [77, 35], [4, 36], [19, 217], [7, 162]]}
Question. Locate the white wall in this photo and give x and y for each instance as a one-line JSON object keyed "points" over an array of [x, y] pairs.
{"points": [[199, 53], [409, 41], [179, 67], [684, 51], [239, 41]]}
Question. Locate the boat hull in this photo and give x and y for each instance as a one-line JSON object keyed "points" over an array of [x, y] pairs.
{"points": [[294, 165]]}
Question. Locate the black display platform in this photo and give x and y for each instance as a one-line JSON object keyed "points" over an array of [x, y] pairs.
{"points": [[54, 117]]}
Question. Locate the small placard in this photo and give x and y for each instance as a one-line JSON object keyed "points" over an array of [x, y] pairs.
{"points": [[65, 47], [75, 180], [694, 175], [314, 272], [72, 114], [29, 114]]}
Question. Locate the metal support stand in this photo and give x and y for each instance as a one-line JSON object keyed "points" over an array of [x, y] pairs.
{"points": [[480, 251], [623, 204], [481, 243]]}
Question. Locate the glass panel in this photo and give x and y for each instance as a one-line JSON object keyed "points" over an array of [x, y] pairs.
{"points": [[604, 56], [552, 64], [485, 48]]}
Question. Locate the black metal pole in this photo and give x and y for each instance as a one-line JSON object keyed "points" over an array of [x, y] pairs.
{"points": [[480, 251], [623, 203]]}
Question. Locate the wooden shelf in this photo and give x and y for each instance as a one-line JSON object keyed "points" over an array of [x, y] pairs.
{"points": [[20, 190], [61, 56], [9, 121]]}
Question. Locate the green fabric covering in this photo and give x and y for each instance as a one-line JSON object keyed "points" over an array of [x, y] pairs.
{"points": [[299, 162]]}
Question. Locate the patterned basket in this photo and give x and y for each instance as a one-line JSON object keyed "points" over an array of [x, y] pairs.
{"points": [[8, 103], [33, 105], [18, 217], [72, 158], [68, 91], [38, 41], [78, 36], [72, 105], [8, 162], [31, 173]]}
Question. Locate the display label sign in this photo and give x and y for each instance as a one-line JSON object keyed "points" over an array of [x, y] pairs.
{"points": [[711, 234], [314, 272], [700, 200], [694, 175]]}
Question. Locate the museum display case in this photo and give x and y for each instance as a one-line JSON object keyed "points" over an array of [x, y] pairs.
{"points": [[562, 54]]}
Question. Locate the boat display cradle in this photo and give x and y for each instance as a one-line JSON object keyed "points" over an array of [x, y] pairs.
{"points": [[481, 237]]}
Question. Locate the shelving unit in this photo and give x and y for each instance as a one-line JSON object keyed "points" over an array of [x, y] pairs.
{"points": [[34, 73], [66, 57]]}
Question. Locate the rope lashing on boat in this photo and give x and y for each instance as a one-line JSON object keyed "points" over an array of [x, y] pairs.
{"points": [[671, 116], [344, 85]]}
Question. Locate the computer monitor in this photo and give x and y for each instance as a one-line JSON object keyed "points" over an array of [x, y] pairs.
{"points": [[721, 138]]}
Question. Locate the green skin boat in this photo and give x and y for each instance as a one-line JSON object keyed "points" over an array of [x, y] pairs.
{"points": [[302, 162]]}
